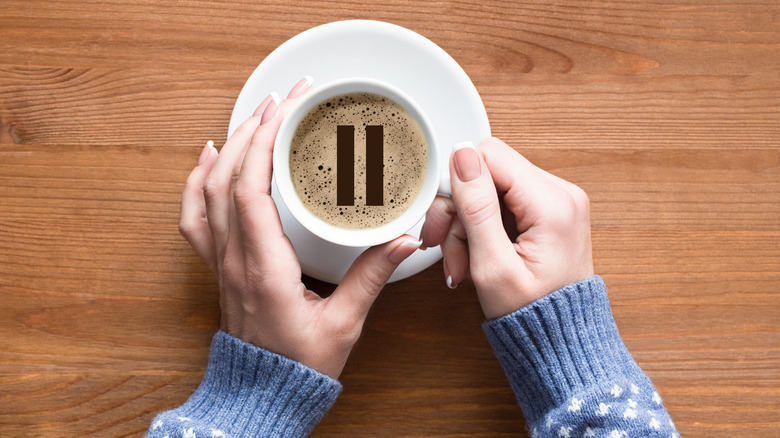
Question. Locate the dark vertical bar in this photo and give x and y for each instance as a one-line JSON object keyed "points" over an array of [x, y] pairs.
{"points": [[345, 165], [374, 161]]}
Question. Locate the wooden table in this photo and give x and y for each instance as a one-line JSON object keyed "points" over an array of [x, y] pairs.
{"points": [[666, 113]]}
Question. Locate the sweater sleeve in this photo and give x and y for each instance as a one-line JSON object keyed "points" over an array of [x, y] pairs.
{"points": [[570, 371], [249, 392]]}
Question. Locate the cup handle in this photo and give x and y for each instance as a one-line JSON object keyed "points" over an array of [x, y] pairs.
{"points": [[445, 188]]}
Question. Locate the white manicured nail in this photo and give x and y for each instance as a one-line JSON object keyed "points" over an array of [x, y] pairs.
{"points": [[210, 144], [462, 145], [412, 243], [449, 282], [309, 80], [275, 97], [400, 252]]}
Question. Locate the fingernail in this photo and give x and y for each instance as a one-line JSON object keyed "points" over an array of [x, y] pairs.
{"points": [[412, 243], [205, 152], [447, 273], [449, 282], [270, 110], [262, 106], [404, 250], [461, 145], [467, 164], [422, 246], [301, 87]]}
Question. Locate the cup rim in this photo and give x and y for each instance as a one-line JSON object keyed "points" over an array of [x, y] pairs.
{"points": [[346, 236]]}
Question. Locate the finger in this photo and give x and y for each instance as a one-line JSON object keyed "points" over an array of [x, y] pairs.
{"points": [[256, 214], [298, 90], [367, 276], [290, 102], [217, 186], [476, 201], [529, 193], [193, 222], [301, 88], [258, 217], [437, 221], [455, 250], [273, 97]]}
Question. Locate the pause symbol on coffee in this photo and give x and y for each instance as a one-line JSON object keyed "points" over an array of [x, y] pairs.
{"points": [[345, 165]]}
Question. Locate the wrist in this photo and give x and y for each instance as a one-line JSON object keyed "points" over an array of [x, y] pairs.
{"points": [[524, 288]]}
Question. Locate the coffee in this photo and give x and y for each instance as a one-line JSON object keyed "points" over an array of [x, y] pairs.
{"points": [[358, 160]]}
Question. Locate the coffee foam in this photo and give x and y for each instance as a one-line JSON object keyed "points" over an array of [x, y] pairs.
{"points": [[313, 159]]}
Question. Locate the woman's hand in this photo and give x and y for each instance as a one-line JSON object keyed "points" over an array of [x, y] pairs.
{"points": [[231, 221], [519, 232]]}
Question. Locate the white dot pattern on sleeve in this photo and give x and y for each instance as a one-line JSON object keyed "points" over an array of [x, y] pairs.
{"points": [[621, 409]]}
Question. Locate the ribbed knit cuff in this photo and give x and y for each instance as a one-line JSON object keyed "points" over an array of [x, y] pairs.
{"points": [[560, 344], [251, 392]]}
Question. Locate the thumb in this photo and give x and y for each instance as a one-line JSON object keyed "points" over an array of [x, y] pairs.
{"points": [[476, 201], [368, 274]]}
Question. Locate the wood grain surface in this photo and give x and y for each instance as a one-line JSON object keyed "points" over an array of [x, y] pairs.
{"points": [[666, 113]]}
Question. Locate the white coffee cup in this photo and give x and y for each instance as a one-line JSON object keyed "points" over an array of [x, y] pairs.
{"points": [[437, 178]]}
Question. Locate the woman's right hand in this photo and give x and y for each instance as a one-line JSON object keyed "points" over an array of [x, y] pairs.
{"points": [[231, 220], [517, 231]]}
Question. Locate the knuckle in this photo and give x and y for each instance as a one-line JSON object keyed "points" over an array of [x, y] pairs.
{"points": [[345, 329], [581, 199], [248, 127], [373, 280], [574, 208], [490, 142], [566, 212], [243, 192], [441, 208], [491, 145], [479, 208], [186, 227], [492, 274], [213, 187], [372, 277], [455, 234], [193, 178]]}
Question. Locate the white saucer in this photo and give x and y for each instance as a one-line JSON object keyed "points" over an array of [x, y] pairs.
{"points": [[382, 51]]}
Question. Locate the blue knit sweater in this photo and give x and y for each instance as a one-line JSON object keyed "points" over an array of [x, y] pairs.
{"points": [[570, 371]]}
